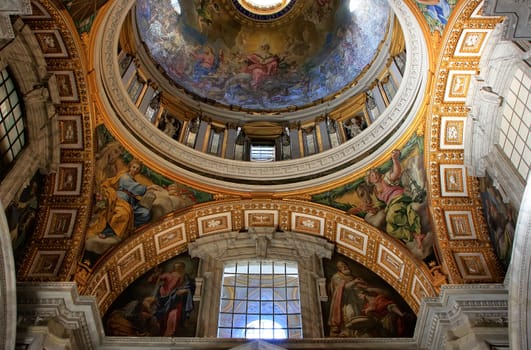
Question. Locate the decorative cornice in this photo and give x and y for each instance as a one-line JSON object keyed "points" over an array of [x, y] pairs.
{"points": [[518, 26], [40, 302], [480, 310], [461, 308], [177, 160], [7, 8]]}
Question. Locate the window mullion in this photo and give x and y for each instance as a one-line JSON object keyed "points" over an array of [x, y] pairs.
{"points": [[264, 284]]}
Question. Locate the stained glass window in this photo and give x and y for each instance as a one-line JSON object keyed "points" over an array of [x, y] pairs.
{"points": [[260, 299]]}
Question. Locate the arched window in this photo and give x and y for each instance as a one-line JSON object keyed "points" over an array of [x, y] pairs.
{"points": [[260, 299], [12, 128]]}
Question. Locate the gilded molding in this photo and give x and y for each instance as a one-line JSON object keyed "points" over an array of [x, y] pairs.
{"points": [[112, 275], [161, 153], [457, 253], [64, 252]]}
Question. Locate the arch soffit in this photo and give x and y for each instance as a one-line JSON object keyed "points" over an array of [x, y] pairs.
{"points": [[352, 236], [451, 59]]}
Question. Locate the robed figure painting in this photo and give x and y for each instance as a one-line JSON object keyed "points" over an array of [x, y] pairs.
{"points": [[360, 304], [159, 303]]}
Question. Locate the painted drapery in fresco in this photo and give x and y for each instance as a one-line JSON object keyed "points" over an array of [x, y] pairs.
{"points": [[128, 195], [391, 197], [159, 303], [501, 220], [21, 214], [436, 13], [360, 304]]}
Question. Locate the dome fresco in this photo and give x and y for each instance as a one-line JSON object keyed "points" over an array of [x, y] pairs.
{"points": [[207, 49]]}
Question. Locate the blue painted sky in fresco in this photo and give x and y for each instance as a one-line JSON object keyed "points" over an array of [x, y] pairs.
{"points": [[206, 51], [436, 13]]}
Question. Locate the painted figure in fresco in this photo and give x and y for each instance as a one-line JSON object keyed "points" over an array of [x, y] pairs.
{"points": [[345, 304], [402, 220], [501, 220], [207, 62], [122, 196], [361, 309], [204, 12], [174, 197], [372, 208], [384, 310], [174, 295], [134, 319], [261, 65], [505, 240]]}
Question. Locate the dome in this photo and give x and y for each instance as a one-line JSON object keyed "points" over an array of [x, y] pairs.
{"points": [[94, 105], [305, 144], [301, 53]]}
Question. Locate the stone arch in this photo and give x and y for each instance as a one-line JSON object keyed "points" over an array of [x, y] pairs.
{"points": [[351, 236]]}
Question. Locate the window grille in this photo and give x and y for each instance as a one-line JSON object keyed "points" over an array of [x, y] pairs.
{"points": [[260, 299]]}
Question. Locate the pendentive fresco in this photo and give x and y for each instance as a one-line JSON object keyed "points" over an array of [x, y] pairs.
{"points": [[391, 197], [129, 195]]}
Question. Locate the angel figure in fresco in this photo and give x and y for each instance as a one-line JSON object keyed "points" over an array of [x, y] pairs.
{"points": [[402, 221], [124, 203]]}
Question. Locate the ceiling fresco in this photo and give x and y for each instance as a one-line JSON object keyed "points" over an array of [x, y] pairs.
{"points": [[211, 53], [67, 235], [83, 12]]}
